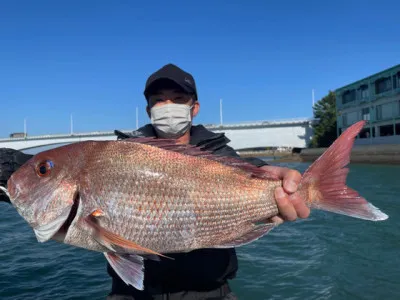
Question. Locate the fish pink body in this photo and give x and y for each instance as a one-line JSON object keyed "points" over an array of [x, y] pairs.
{"points": [[139, 198]]}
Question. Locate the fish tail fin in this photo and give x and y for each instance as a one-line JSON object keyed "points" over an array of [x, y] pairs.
{"points": [[323, 185]]}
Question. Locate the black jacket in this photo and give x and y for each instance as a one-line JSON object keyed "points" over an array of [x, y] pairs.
{"points": [[198, 270]]}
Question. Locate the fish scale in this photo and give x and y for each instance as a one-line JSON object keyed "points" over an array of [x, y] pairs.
{"points": [[173, 195]]}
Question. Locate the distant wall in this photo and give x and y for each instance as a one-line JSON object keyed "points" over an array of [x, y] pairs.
{"points": [[387, 140], [386, 154], [284, 135]]}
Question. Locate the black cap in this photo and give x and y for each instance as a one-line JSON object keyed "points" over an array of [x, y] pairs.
{"points": [[172, 73]]}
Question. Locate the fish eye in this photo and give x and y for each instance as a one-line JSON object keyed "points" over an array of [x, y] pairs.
{"points": [[43, 169]]}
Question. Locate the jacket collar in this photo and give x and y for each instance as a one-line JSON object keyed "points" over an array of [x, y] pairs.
{"points": [[199, 135]]}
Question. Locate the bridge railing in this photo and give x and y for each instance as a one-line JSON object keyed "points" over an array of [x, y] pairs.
{"points": [[263, 122], [62, 135], [209, 126]]}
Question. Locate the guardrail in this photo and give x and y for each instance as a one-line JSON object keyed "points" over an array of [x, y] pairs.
{"points": [[62, 136], [261, 123], [209, 126]]}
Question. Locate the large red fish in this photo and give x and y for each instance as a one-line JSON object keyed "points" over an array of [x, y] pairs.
{"points": [[140, 198]]}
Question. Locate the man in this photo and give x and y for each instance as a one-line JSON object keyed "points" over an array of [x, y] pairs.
{"points": [[172, 103]]}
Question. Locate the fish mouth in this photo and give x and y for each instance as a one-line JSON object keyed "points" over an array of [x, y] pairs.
{"points": [[12, 191], [62, 232], [58, 228]]}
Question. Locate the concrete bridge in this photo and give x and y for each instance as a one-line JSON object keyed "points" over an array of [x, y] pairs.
{"points": [[246, 135]]}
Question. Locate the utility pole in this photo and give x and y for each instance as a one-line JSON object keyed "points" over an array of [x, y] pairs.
{"points": [[220, 111], [313, 100], [137, 117], [313, 103], [25, 132], [71, 125]]}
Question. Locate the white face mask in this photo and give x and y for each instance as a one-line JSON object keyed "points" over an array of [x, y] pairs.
{"points": [[171, 120]]}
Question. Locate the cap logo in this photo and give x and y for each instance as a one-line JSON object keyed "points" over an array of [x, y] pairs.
{"points": [[187, 80]]}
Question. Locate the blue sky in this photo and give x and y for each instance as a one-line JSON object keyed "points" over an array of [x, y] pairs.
{"points": [[92, 58]]}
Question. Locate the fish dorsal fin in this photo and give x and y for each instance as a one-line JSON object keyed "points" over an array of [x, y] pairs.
{"points": [[198, 151]]}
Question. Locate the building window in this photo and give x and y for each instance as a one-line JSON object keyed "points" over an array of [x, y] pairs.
{"points": [[363, 92], [396, 81], [383, 85], [365, 133], [386, 130], [386, 111], [352, 117], [344, 120], [349, 96], [396, 108], [378, 111], [365, 113]]}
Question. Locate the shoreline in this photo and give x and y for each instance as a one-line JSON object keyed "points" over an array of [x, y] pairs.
{"points": [[369, 154]]}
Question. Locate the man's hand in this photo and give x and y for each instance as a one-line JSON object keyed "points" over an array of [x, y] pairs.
{"points": [[289, 208]]}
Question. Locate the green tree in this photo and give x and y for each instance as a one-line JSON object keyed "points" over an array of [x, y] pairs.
{"points": [[325, 129]]}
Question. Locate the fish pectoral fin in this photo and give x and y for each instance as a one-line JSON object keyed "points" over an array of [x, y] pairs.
{"points": [[129, 267], [255, 232], [113, 241]]}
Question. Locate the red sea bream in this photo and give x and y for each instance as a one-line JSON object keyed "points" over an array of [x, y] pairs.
{"points": [[139, 199]]}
